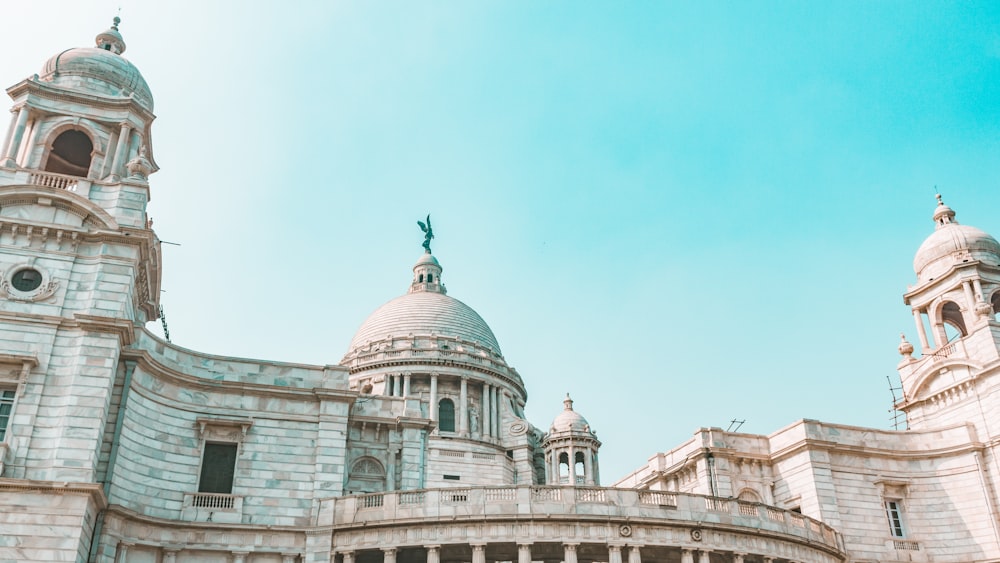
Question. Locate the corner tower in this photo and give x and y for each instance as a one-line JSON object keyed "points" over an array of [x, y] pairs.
{"points": [[954, 303], [79, 271], [571, 449]]}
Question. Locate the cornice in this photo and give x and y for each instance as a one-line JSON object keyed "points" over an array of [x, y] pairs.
{"points": [[124, 328], [149, 364], [30, 86], [94, 490]]}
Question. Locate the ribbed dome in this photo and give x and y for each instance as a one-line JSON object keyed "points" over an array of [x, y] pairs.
{"points": [[97, 71], [937, 254], [424, 313]]}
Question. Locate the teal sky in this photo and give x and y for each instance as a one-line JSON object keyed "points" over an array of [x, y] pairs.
{"points": [[681, 213]]}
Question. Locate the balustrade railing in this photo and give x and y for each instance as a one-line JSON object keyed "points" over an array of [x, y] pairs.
{"points": [[57, 181], [215, 501], [553, 501]]}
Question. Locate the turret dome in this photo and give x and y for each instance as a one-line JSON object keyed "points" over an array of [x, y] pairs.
{"points": [[99, 70], [569, 420], [952, 243]]}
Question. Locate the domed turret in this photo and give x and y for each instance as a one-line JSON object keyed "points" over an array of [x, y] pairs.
{"points": [[952, 243], [99, 70], [571, 449]]}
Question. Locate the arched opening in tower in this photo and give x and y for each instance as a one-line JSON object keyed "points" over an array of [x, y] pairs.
{"points": [[951, 315], [995, 301], [71, 153]]}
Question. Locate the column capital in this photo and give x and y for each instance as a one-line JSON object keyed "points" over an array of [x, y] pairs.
{"points": [[389, 550], [477, 546], [525, 543], [570, 545], [345, 552], [435, 546]]}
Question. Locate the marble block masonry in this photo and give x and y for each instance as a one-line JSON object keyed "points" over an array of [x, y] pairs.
{"points": [[117, 446]]}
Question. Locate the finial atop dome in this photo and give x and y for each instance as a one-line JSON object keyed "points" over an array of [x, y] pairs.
{"points": [[568, 403], [943, 215], [110, 39]]}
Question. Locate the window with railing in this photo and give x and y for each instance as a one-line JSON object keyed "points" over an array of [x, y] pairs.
{"points": [[218, 466]]}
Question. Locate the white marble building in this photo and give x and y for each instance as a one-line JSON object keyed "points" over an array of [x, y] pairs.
{"points": [[116, 446]]}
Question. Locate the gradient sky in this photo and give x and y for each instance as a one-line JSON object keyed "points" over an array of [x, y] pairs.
{"points": [[681, 213]]}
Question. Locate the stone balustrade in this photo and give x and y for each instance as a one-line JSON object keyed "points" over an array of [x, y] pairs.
{"points": [[619, 507]]}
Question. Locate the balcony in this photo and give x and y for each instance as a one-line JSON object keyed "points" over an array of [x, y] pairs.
{"points": [[212, 507]]}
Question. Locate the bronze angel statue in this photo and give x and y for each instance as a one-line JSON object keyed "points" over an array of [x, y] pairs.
{"points": [[428, 233]]}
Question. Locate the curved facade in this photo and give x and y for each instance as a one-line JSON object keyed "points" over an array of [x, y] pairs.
{"points": [[116, 446]]}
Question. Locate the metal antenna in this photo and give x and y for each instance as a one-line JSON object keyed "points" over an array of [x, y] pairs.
{"points": [[735, 423], [163, 319]]}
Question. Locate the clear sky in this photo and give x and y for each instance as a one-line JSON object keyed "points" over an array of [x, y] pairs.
{"points": [[683, 213]]}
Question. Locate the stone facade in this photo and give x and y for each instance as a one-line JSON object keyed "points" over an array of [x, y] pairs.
{"points": [[116, 446]]}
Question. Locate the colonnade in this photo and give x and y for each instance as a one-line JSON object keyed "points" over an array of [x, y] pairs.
{"points": [[565, 552], [474, 419], [972, 290], [569, 451]]}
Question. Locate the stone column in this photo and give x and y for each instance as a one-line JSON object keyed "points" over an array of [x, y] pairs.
{"points": [[569, 552], [124, 137], [406, 384], [523, 553], [10, 133], [463, 411], [240, 556], [572, 466], [738, 557], [478, 552], [15, 140], [588, 467], [633, 554], [969, 299], [289, 557], [388, 555], [614, 554], [977, 286], [703, 556], [434, 553], [122, 552], [768, 559], [349, 556], [487, 411], [434, 397], [170, 555], [919, 318], [687, 555]]}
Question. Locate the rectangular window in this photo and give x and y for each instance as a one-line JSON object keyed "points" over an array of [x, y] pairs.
{"points": [[6, 406], [894, 511], [217, 468]]}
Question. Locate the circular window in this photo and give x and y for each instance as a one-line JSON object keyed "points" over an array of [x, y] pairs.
{"points": [[27, 279]]}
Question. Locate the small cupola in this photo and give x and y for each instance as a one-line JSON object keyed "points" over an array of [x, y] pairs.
{"points": [[427, 275], [111, 39], [571, 449]]}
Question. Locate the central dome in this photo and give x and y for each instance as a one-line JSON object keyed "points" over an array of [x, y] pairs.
{"points": [[425, 313]]}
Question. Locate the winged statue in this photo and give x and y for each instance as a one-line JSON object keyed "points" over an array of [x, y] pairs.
{"points": [[428, 233]]}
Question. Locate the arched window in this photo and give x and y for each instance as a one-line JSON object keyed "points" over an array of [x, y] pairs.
{"points": [[421, 278], [951, 315], [70, 154], [446, 415], [564, 467], [430, 278], [995, 301], [580, 468], [367, 476], [749, 495]]}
